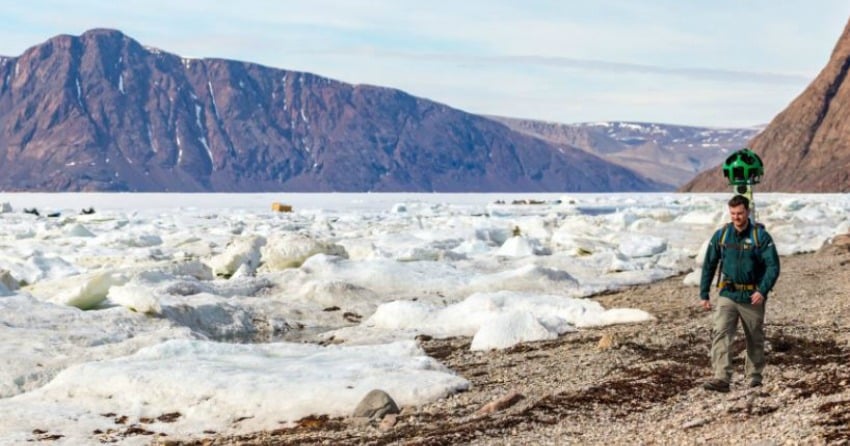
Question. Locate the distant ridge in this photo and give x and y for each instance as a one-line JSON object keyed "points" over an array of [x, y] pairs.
{"points": [[671, 154], [101, 112]]}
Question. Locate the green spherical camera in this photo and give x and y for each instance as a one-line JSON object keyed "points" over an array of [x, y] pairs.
{"points": [[743, 167]]}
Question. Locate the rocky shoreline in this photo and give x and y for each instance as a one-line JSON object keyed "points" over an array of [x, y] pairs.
{"points": [[634, 384]]}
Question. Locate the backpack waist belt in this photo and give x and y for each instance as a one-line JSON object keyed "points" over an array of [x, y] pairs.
{"points": [[738, 286]]}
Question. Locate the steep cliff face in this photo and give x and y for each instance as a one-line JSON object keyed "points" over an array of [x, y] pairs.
{"points": [[806, 148], [101, 112]]}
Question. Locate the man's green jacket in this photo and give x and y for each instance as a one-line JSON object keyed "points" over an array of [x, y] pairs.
{"points": [[746, 267]]}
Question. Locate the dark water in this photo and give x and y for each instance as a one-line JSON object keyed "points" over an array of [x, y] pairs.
{"points": [[597, 210]]}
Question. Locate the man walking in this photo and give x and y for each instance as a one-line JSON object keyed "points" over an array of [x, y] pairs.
{"points": [[749, 267]]}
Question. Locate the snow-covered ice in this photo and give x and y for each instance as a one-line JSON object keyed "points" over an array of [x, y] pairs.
{"points": [[237, 318]]}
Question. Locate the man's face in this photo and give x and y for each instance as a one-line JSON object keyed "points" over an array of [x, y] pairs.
{"points": [[739, 215]]}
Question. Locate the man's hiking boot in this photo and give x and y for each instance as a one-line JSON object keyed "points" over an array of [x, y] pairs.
{"points": [[716, 385], [755, 383]]}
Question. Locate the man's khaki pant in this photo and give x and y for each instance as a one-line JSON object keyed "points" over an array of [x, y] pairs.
{"points": [[726, 315]]}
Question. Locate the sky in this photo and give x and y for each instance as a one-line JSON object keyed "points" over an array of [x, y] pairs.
{"points": [[723, 63]]}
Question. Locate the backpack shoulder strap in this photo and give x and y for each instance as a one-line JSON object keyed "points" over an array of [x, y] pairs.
{"points": [[725, 233], [758, 228], [722, 233]]}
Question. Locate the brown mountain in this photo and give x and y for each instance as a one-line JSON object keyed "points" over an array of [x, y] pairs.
{"points": [[670, 154], [806, 148], [101, 112]]}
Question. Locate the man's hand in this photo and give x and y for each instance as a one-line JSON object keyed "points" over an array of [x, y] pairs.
{"points": [[706, 304], [756, 298]]}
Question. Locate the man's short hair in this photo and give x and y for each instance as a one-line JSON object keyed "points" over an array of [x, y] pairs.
{"points": [[738, 200]]}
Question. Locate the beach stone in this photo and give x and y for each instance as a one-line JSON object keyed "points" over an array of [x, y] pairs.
{"points": [[359, 422], [695, 423], [607, 342], [501, 403], [376, 404], [388, 422], [839, 244]]}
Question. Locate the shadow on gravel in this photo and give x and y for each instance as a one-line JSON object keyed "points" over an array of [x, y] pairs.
{"points": [[813, 355], [807, 353], [826, 362], [662, 373], [838, 422], [640, 389]]}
